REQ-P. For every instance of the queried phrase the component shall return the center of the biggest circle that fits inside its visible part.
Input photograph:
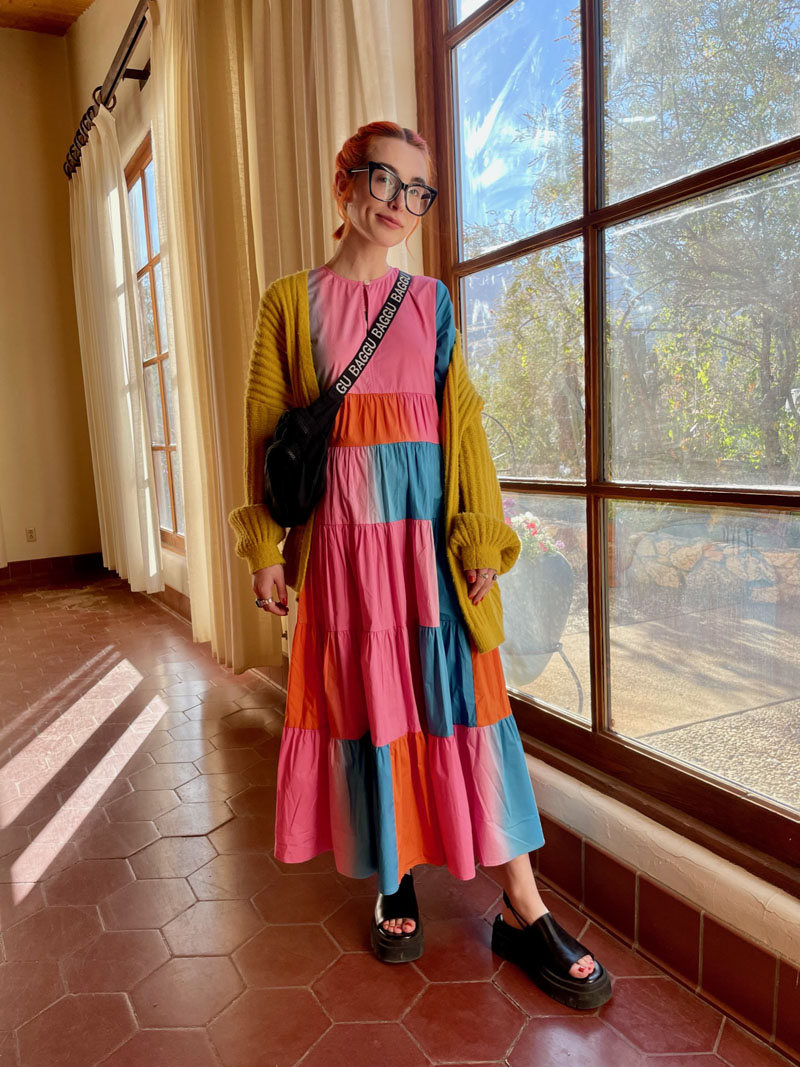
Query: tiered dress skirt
(399, 747)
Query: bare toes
(583, 968)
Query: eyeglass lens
(385, 186)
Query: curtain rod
(105, 92)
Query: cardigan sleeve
(268, 394)
(479, 535)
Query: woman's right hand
(265, 582)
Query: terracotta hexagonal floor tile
(146, 904)
(245, 833)
(24, 811)
(285, 955)
(172, 857)
(20, 900)
(443, 896)
(145, 804)
(227, 759)
(182, 751)
(76, 1031)
(255, 800)
(13, 838)
(274, 1027)
(458, 950)
(232, 736)
(38, 861)
(197, 687)
(658, 1015)
(212, 928)
(578, 1040)
(238, 874)
(193, 819)
(360, 887)
(320, 864)
(114, 962)
(8, 1050)
(187, 991)
(349, 925)
(365, 1045)
(88, 882)
(164, 776)
(118, 839)
(210, 788)
(450, 1021)
(306, 898)
(51, 933)
(359, 988)
(263, 773)
(740, 1049)
(193, 731)
(524, 992)
(266, 701)
(26, 988)
(176, 1048)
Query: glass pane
(545, 603)
(703, 329)
(166, 372)
(152, 391)
(524, 343)
(146, 304)
(705, 655)
(693, 83)
(162, 490)
(137, 223)
(163, 343)
(464, 8)
(518, 114)
(152, 218)
(177, 481)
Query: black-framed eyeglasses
(385, 184)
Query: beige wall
(46, 84)
(45, 463)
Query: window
(619, 215)
(158, 380)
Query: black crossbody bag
(296, 457)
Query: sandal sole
(580, 993)
(392, 949)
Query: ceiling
(41, 16)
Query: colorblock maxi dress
(398, 746)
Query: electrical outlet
(30, 534)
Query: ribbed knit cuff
(258, 536)
(482, 541)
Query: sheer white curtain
(104, 275)
(252, 100)
(320, 69)
(212, 294)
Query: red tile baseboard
(751, 985)
(54, 568)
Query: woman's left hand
(480, 582)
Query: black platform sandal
(403, 947)
(545, 951)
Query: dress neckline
(358, 281)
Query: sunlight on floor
(86, 796)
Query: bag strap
(375, 335)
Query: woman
(398, 747)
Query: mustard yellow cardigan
(282, 375)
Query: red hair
(355, 153)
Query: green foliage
(703, 299)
